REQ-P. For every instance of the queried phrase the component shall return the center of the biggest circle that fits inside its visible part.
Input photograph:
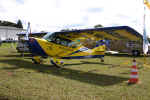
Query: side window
(50, 38)
(58, 41)
(64, 43)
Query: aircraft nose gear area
(57, 62)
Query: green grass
(86, 79)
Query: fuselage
(59, 47)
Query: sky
(55, 15)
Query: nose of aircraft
(35, 47)
(32, 46)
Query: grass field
(86, 79)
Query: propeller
(28, 31)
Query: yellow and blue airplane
(78, 44)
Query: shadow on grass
(3, 98)
(19, 55)
(87, 62)
(124, 55)
(85, 77)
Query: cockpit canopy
(52, 37)
(65, 41)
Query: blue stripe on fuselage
(99, 43)
(36, 49)
(83, 57)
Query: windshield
(52, 37)
(47, 35)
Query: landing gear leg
(57, 62)
(37, 60)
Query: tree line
(11, 24)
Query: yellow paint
(53, 49)
(106, 35)
(147, 3)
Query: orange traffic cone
(134, 74)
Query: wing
(90, 36)
(113, 33)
